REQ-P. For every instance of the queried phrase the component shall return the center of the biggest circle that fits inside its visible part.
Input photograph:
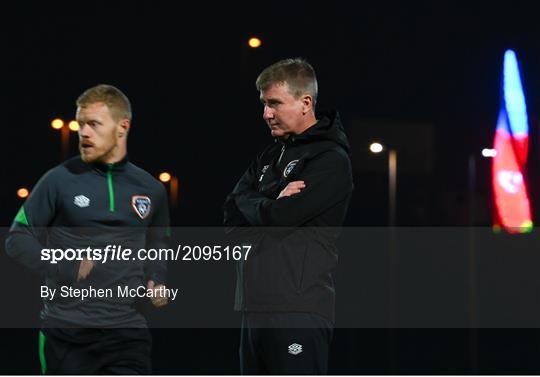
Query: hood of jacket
(327, 128)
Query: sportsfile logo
(191, 253)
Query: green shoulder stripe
(42, 360)
(21, 217)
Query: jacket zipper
(111, 189)
(281, 155)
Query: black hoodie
(291, 269)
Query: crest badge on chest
(141, 205)
(289, 168)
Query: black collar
(117, 166)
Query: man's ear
(307, 104)
(123, 130)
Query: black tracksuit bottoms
(284, 343)
(95, 351)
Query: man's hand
(84, 269)
(158, 299)
(292, 189)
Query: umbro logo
(81, 201)
(295, 349)
(264, 169)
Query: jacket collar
(117, 166)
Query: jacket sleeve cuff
(64, 272)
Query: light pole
(376, 147)
(392, 186)
(167, 177)
(473, 312)
(473, 336)
(73, 126)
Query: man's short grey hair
(297, 73)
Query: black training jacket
(77, 205)
(291, 268)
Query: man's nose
(83, 130)
(268, 113)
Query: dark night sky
(190, 77)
